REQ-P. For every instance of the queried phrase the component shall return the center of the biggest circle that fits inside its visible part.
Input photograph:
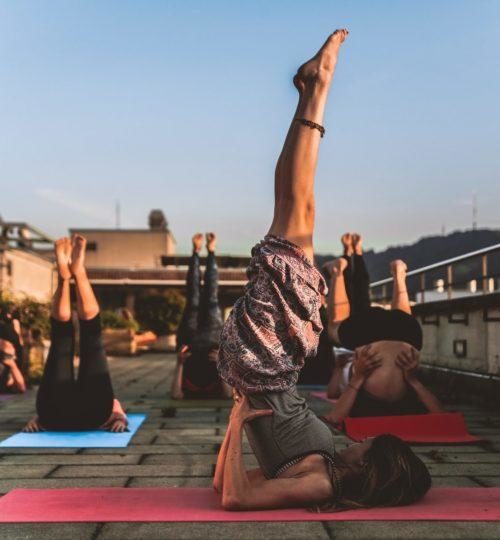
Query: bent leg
(294, 178)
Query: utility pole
(474, 211)
(118, 214)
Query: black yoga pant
(201, 323)
(368, 324)
(64, 403)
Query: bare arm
(176, 389)
(241, 492)
(221, 461)
(254, 475)
(16, 375)
(333, 390)
(430, 401)
(408, 362)
(365, 363)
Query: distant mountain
(432, 249)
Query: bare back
(387, 382)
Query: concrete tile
(412, 530)
(489, 481)
(24, 471)
(482, 457)
(181, 449)
(454, 481)
(38, 451)
(165, 438)
(86, 471)
(52, 483)
(48, 531)
(149, 481)
(452, 449)
(214, 531)
(463, 469)
(98, 459)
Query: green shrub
(160, 314)
(34, 315)
(111, 319)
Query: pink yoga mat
(201, 504)
(416, 428)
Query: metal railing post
(449, 281)
(484, 272)
(422, 286)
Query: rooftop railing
(483, 282)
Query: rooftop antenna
(118, 214)
(474, 211)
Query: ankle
(79, 275)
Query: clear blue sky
(184, 105)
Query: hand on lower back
(408, 361)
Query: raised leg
(294, 179)
(359, 296)
(338, 302)
(86, 302)
(61, 302)
(94, 382)
(57, 386)
(210, 316)
(189, 323)
(400, 298)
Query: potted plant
(118, 333)
(161, 314)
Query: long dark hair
(392, 475)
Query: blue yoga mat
(76, 439)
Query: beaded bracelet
(312, 125)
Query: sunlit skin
(307, 482)
(70, 262)
(16, 379)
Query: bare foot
(398, 269)
(62, 249)
(346, 240)
(197, 242)
(211, 241)
(79, 244)
(339, 266)
(321, 67)
(357, 243)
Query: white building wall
(27, 274)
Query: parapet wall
(462, 334)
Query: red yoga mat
(415, 428)
(201, 504)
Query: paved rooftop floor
(180, 450)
